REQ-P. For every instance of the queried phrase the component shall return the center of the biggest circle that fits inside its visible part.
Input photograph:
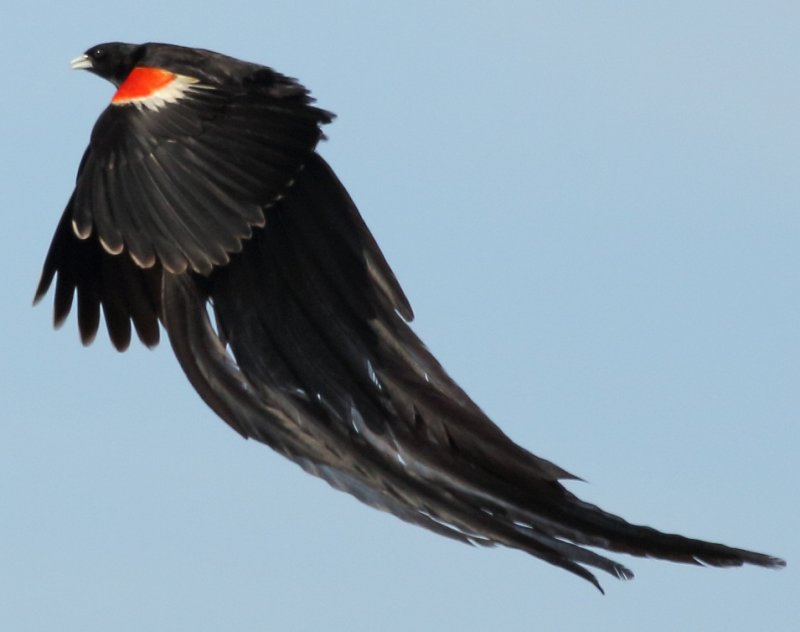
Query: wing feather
(154, 179)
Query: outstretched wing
(173, 183)
(181, 179)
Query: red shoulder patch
(141, 83)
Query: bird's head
(112, 61)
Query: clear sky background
(595, 211)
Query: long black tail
(312, 354)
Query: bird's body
(202, 186)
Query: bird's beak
(84, 61)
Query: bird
(202, 206)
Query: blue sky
(594, 212)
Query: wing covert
(185, 184)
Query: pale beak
(84, 61)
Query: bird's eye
(99, 52)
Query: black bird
(201, 187)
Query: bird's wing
(182, 183)
(173, 187)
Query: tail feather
(313, 356)
(616, 534)
(317, 325)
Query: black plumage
(201, 186)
